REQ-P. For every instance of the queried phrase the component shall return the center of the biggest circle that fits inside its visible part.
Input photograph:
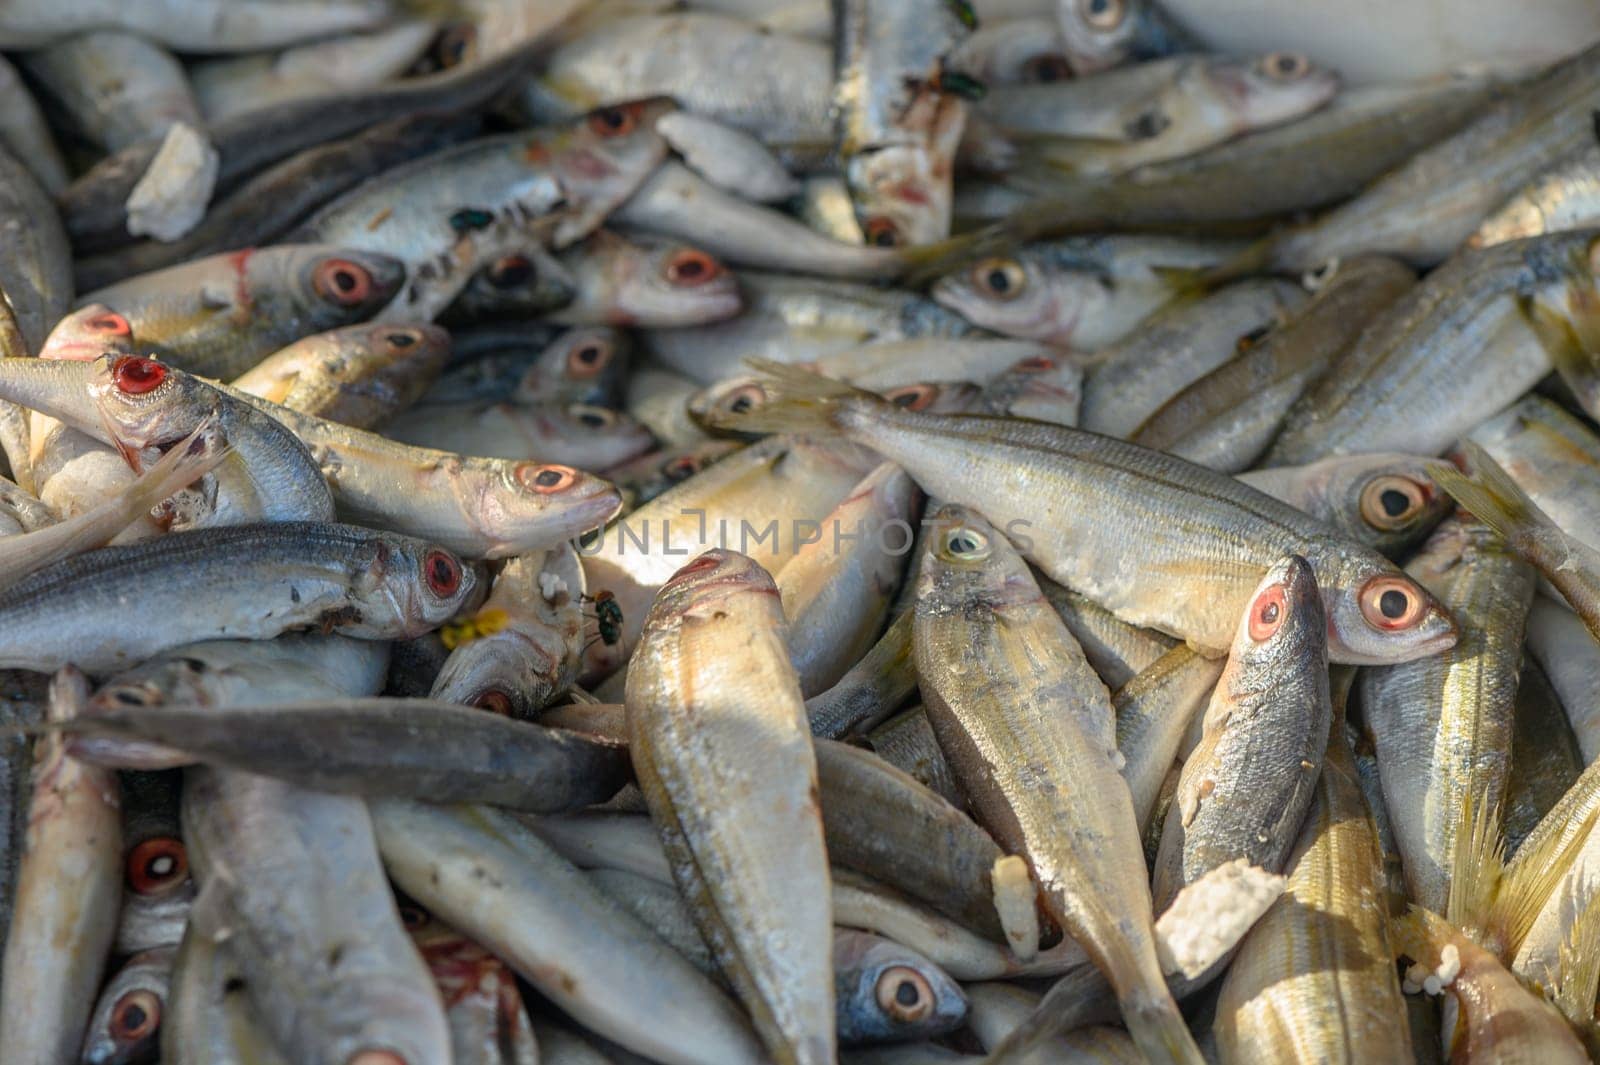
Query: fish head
(417, 584)
(713, 585)
(334, 286)
(1283, 627)
(1046, 387)
(649, 476)
(603, 436)
(585, 365)
(601, 159)
(512, 672)
(1016, 296)
(146, 403)
(902, 192)
(158, 892)
(560, 502)
(934, 397)
(1272, 88)
(527, 281)
(88, 333)
(890, 993)
(126, 1024)
(1377, 615)
(966, 560)
(713, 405)
(1385, 500)
(666, 285)
(1101, 34)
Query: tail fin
(1573, 348)
(800, 402)
(1528, 884)
(1577, 978)
(1476, 862)
(1160, 1032)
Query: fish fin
(1159, 1030)
(1492, 496)
(1577, 976)
(1477, 861)
(1183, 282)
(1577, 363)
(1255, 258)
(800, 402)
(1527, 884)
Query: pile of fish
(740, 531)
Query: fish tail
(1476, 861)
(1494, 498)
(800, 402)
(1570, 342)
(1159, 1030)
(1577, 976)
(1530, 881)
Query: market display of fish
(795, 532)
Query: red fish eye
(615, 121)
(511, 271)
(343, 282)
(442, 572)
(881, 232)
(135, 1016)
(157, 865)
(588, 358)
(546, 479)
(709, 560)
(111, 324)
(1267, 613)
(137, 375)
(692, 267)
(493, 700)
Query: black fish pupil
(547, 478)
(402, 340)
(1394, 502)
(998, 281)
(1392, 604)
(1099, 7)
(133, 1018)
(906, 994)
(740, 404)
(344, 281)
(588, 355)
(963, 545)
(905, 399)
(1269, 613)
(591, 419)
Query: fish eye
(442, 572)
(745, 399)
(690, 266)
(1390, 502)
(1391, 603)
(510, 271)
(110, 323)
(1103, 14)
(402, 338)
(904, 994)
(546, 480)
(680, 469)
(457, 44)
(1285, 66)
(1267, 613)
(588, 358)
(1050, 67)
(1001, 279)
(594, 417)
(615, 121)
(493, 700)
(135, 1016)
(343, 282)
(968, 545)
(709, 560)
(912, 397)
(413, 917)
(157, 865)
(881, 232)
(135, 375)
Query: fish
(1384, 500)
(1062, 540)
(543, 918)
(1100, 34)
(209, 1016)
(642, 479)
(1545, 759)
(1245, 789)
(488, 1023)
(735, 862)
(361, 375)
(59, 942)
(648, 285)
(1117, 651)
(1559, 642)
(126, 1024)
(588, 365)
(196, 25)
(1561, 198)
(1321, 944)
(220, 315)
(729, 158)
(263, 579)
(889, 993)
(575, 435)
(36, 276)
(871, 690)
(1079, 292)
(1442, 726)
(990, 653)
(1552, 455)
(25, 134)
(1447, 354)
(1227, 418)
(118, 88)
(1155, 708)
